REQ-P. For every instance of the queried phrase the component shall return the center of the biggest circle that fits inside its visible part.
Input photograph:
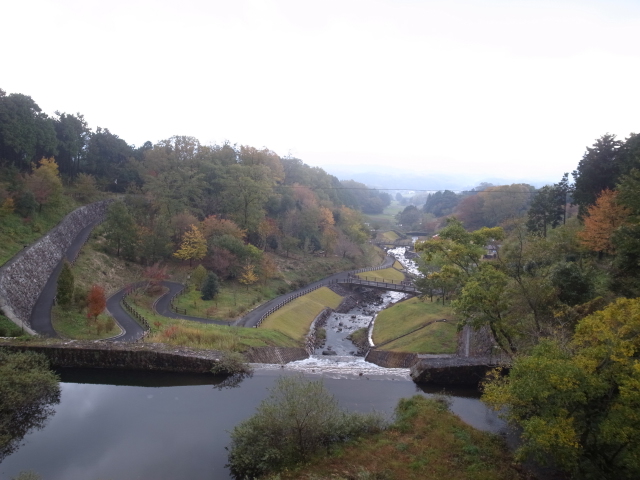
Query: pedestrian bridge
(396, 286)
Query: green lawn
(384, 275)
(294, 319)
(440, 337)
(233, 301)
(76, 325)
(406, 316)
(202, 335)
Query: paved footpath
(163, 304)
(41, 314)
(252, 318)
(133, 331)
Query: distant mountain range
(395, 179)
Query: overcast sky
(517, 88)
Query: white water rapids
(343, 363)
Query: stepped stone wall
(24, 276)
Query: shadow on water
(136, 378)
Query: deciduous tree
(578, 405)
(96, 302)
(120, 229)
(44, 182)
(193, 247)
(601, 221)
(248, 275)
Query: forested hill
(255, 196)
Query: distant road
(252, 318)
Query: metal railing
(136, 315)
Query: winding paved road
(40, 319)
(41, 314)
(252, 318)
(162, 305)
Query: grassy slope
(76, 325)
(409, 315)
(16, 232)
(200, 335)
(294, 319)
(387, 274)
(426, 442)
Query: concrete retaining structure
(24, 276)
(126, 356)
(451, 371)
(391, 359)
(145, 356)
(278, 355)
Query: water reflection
(178, 431)
(28, 394)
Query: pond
(141, 425)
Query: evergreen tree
(211, 287)
(64, 294)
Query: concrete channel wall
(24, 276)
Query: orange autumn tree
(602, 220)
(96, 302)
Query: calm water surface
(132, 425)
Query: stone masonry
(24, 276)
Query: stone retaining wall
(129, 356)
(145, 356)
(24, 276)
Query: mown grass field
(425, 442)
(440, 337)
(76, 325)
(294, 319)
(397, 265)
(232, 301)
(386, 274)
(202, 335)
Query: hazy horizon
(501, 89)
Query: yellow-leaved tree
(248, 276)
(578, 404)
(44, 182)
(193, 246)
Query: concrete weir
(463, 371)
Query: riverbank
(426, 441)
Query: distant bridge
(396, 286)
